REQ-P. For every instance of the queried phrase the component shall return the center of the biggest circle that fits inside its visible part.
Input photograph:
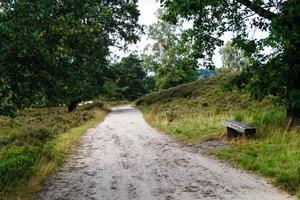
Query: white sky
(148, 9)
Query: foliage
(36, 138)
(110, 88)
(149, 83)
(192, 113)
(171, 58)
(276, 73)
(7, 106)
(130, 77)
(128, 80)
(54, 52)
(233, 58)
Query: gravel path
(124, 158)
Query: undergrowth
(193, 112)
(34, 143)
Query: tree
(57, 50)
(233, 58)
(149, 83)
(130, 77)
(273, 74)
(171, 58)
(111, 88)
(6, 104)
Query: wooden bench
(236, 129)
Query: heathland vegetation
(56, 54)
(36, 142)
(193, 112)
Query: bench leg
(232, 133)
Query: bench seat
(235, 129)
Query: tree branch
(258, 10)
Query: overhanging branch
(258, 10)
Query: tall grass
(193, 112)
(37, 141)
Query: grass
(276, 156)
(36, 142)
(192, 112)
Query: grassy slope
(35, 143)
(193, 112)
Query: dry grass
(193, 112)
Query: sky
(148, 9)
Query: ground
(124, 158)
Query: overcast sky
(148, 9)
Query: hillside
(192, 112)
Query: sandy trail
(124, 158)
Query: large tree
(55, 52)
(129, 77)
(276, 73)
(170, 57)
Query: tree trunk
(72, 106)
(293, 114)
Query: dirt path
(124, 158)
